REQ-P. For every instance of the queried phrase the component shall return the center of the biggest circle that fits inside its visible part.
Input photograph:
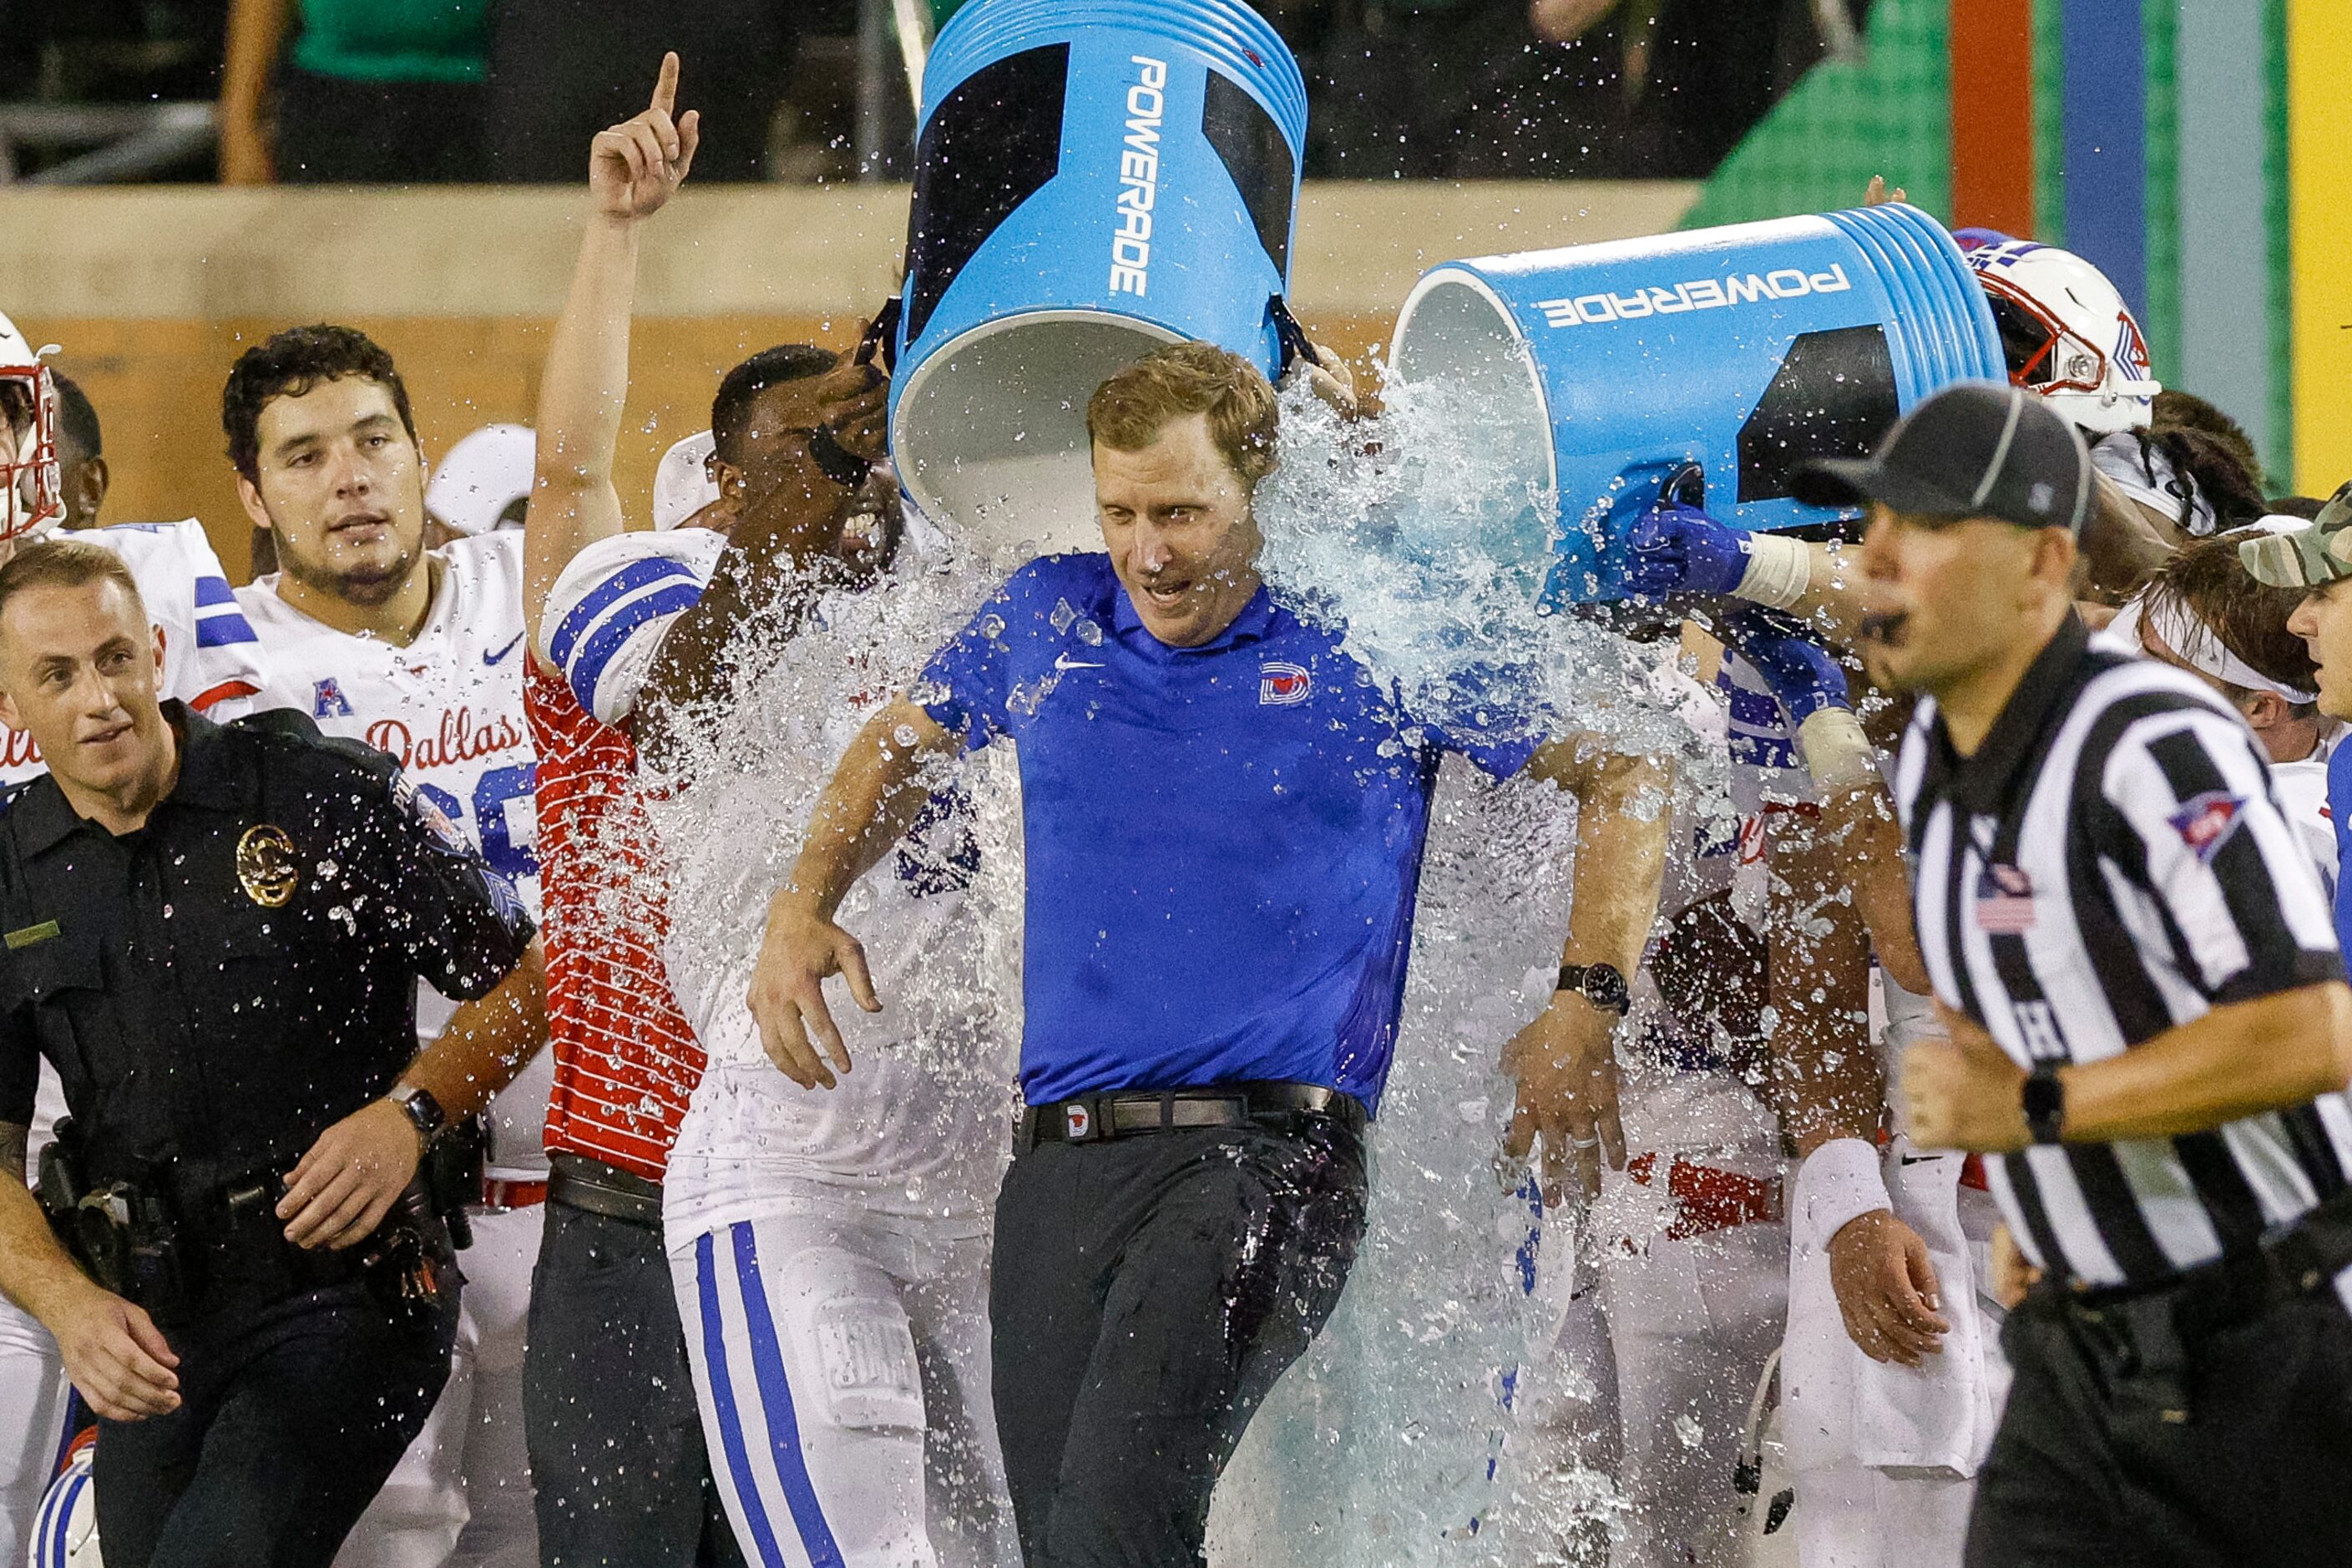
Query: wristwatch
(424, 1112)
(1598, 984)
(2045, 1103)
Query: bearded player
(419, 653)
(212, 662)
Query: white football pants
(842, 1365)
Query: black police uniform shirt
(217, 988)
(2109, 864)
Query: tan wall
(151, 294)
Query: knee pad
(868, 1357)
(854, 1337)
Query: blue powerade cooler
(1721, 359)
(1093, 178)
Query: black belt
(2297, 1260)
(1098, 1118)
(592, 1187)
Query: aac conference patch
(2206, 821)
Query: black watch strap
(424, 1112)
(1599, 984)
(2045, 1103)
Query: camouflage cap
(2309, 556)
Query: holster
(452, 1174)
(410, 1264)
(123, 1232)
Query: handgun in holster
(453, 1175)
(120, 1232)
(410, 1264)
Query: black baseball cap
(1976, 449)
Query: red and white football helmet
(2067, 334)
(32, 485)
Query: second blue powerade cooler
(1743, 352)
(1093, 178)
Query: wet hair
(291, 364)
(2208, 580)
(77, 420)
(2233, 490)
(66, 563)
(730, 407)
(2187, 410)
(1127, 412)
(2304, 507)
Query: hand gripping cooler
(1726, 358)
(1093, 178)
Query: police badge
(265, 868)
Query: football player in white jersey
(213, 663)
(829, 1250)
(419, 653)
(2204, 614)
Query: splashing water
(1406, 530)
(1398, 1438)
(1432, 1423)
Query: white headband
(2201, 648)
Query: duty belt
(1100, 1118)
(577, 1182)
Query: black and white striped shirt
(2110, 864)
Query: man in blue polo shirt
(1224, 819)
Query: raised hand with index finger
(637, 165)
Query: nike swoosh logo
(1921, 1158)
(1063, 661)
(494, 657)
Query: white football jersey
(917, 1126)
(2301, 791)
(449, 709)
(212, 661)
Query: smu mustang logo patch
(2206, 822)
(1281, 685)
(328, 702)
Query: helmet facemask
(32, 482)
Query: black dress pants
(2241, 1457)
(1146, 1294)
(620, 1478)
(290, 1419)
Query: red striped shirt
(625, 1059)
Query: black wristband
(2045, 1103)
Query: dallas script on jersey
(459, 740)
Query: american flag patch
(2004, 901)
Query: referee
(2134, 959)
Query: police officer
(215, 936)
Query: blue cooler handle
(1290, 335)
(1684, 486)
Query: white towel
(1839, 1407)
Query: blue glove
(1675, 549)
(1804, 675)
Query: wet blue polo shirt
(1222, 842)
